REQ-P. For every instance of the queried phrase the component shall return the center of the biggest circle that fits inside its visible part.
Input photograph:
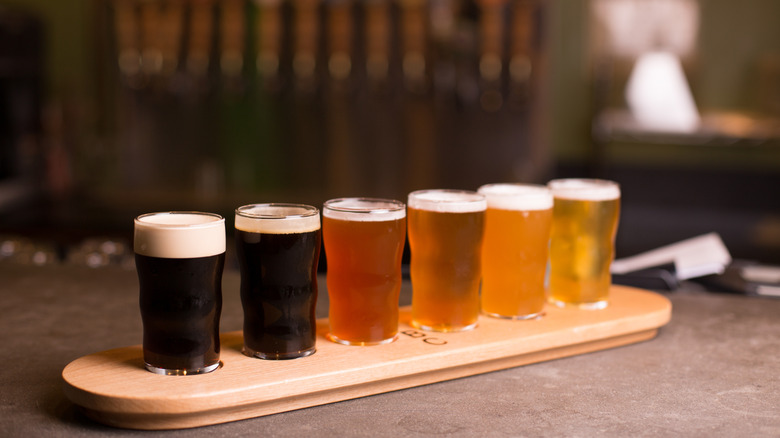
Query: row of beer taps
(483, 48)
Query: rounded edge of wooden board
(103, 407)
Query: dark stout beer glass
(179, 258)
(278, 247)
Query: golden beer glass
(446, 229)
(515, 249)
(585, 222)
(364, 241)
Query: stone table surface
(713, 371)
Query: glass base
(278, 356)
(338, 340)
(595, 305)
(182, 372)
(443, 329)
(530, 316)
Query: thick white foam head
(179, 235)
(520, 197)
(364, 209)
(447, 201)
(277, 218)
(585, 189)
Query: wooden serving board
(113, 387)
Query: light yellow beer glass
(585, 222)
(445, 240)
(515, 250)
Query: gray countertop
(714, 370)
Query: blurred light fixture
(629, 28)
(655, 35)
(658, 94)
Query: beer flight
(503, 251)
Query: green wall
(70, 29)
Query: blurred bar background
(112, 108)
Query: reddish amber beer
(364, 241)
(515, 250)
(585, 222)
(445, 237)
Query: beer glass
(515, 250)
(364, 241)
(446, 228)
(179, 257)
(278, 248)
(585, 222)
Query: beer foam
(179, 235)
(585, 189)
(277, 218)
(364, 209)
(520, 197)
(447, 201)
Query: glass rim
(390, 205)
(596, 182)
(535, 189)
(219, 219)
(517, 196)
(477, 198)
(472, 202)
(306, 211)
(592, 189)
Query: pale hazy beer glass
(278, 249)
(364, 241)
(515, 250)
(179, 259)
(585, 222)
(446, 228)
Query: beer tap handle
(170, 36)
(521, 48)
(418, 118)
(305, 43)
(127, 35)
(151, 53)
(377, 28)
(340, 31)
(269, 35)
(343, 151)
(444, 25)
(414, 43)
(201, 29)
(232, 39)
(491, 53)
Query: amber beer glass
(515, 250)
(446, 229)
(585, 222)
(179, 259)
(364, 241)
(278, 248)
